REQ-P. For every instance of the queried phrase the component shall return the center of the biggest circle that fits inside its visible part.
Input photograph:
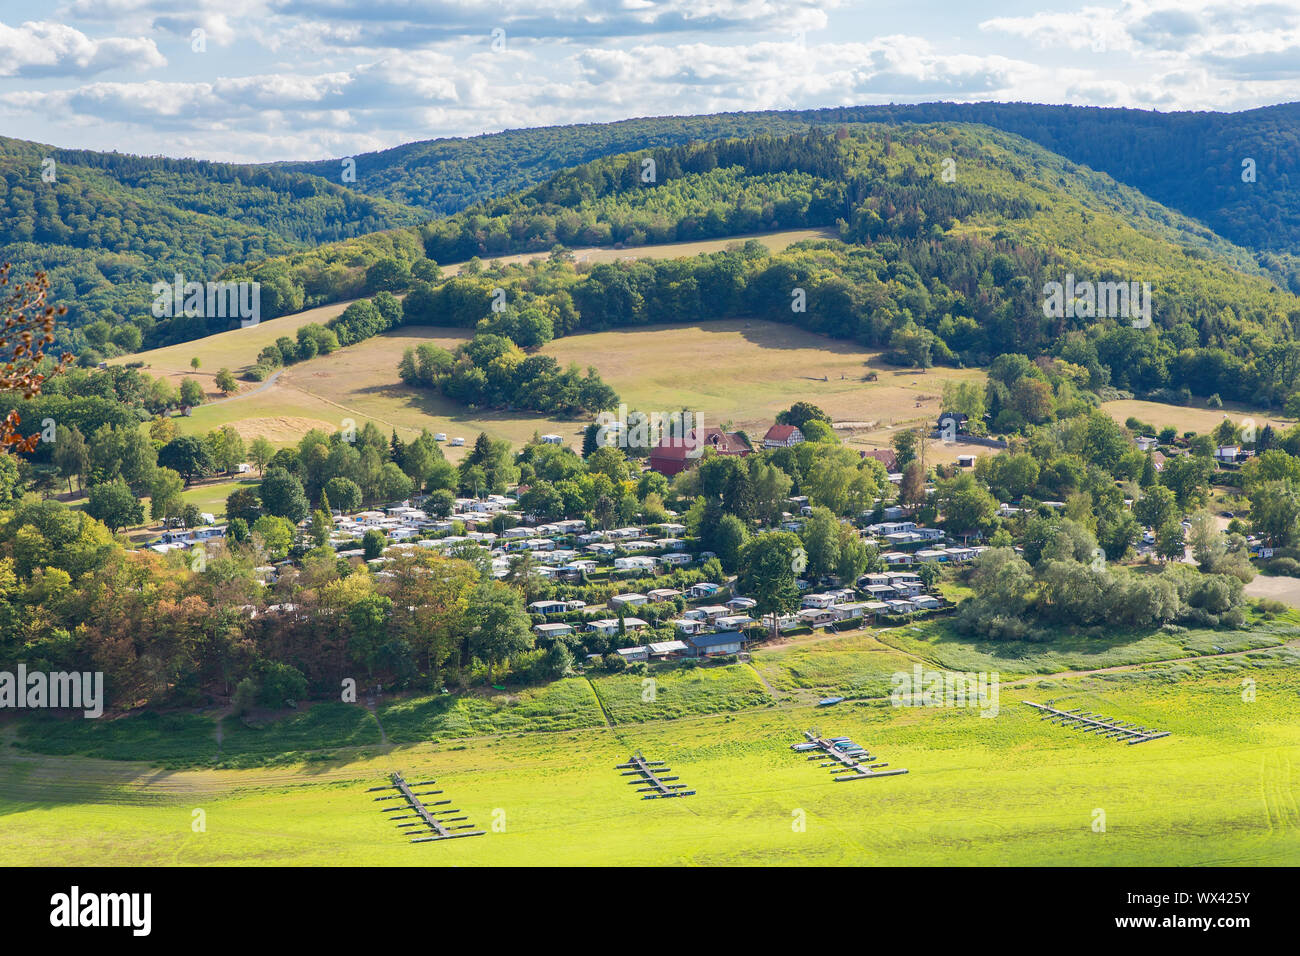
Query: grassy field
(1191, 418)
(754, 370)
(238, 348)
(537, 771)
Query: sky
(263, 80)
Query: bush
(1289, 567)
(256, 373)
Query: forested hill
(1191, 162)
(445, 176)
(949, 235)
(106, 226)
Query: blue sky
(306, 79)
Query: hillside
(938, 268)
(112, 224)
(1191, 162)
(109, 225)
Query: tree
(911, 490)
(1170, 543)
(191, 392)
(260, 451)
(139, 461)
(165, 500)
(226, 382)
(115, 504)
(187, 455)
(276, 534)
(373, 543)
(967, 508)
(194, 363)
(1204, 538)
(321, 526)
(237, 530)
(854, 556)
(800, 413)
(29, 326)
(71, 455)
(1275, 511)
(245, 504)
(343, 493)
(499, 626)
(905, 447)
(1156, 508)
(227, 448)
(1188, 478)
(439, 503)
(767, 573)
(821, 541)
(728, 539)
(283, 495)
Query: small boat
(829, 701)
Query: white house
(548, 607)
(553, 630)
(609, 625)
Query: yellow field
(238, 348)
(733, 372)
(1186, 418)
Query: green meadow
(535, 769)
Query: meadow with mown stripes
(535, 768)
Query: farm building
(886, 456)
(782, 436)
(674, 455)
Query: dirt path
(600, 702)
(263, 386)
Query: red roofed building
(782, 436)
(886, 456)
(672, 455)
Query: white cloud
(40, 49)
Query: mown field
(1191, 418)
(733, 372)
(239, 347)
(536, 769)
